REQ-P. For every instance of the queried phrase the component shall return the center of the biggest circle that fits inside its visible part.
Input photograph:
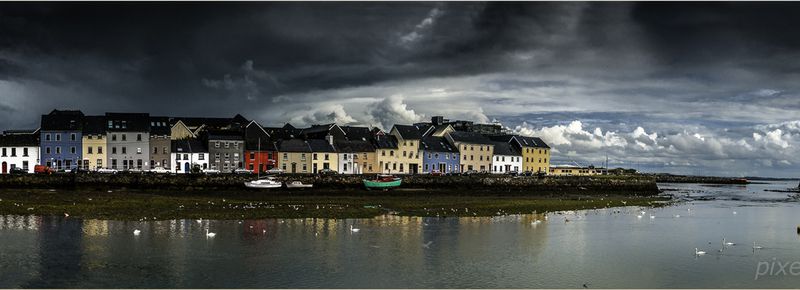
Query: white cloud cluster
(420, 28)
(323, 115)
(393, 110)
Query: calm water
(601, 248)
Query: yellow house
(387, 155)
(323, 155)
(535, 154)
(476, 150)
(408, 140)
(295, 156)
(94, 143)
(571, 170)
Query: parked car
(527, 173)
(242, 171)
(41, 169)
(160, 170)
(436, 173)
(17, 170)
(79, 170)
(211, 171)
(512, 173)
(469, 172)
(276, 170)
(107, 170)
(327, 171)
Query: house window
(165, 150)
(89, 150)
(138, 150)
(391, 153)
(114, 163)
(113, 137)
(344, 167)
(58, 150)
(139, 163)
(305, 167)
(110, 124)
(383, 153)
(124, 136)
(58, 137)
(25, 165)
(164, 162)
(177, 157)
(99, 163)
(236, 145)
(72, 137)
(465, 157)
(365, 155)
(344, 157)
(326, 156)
(235, 156)
(4, 152)
(47, 150)
(216, 144)
(124, 150)
(89, 137)
(155, 150)
(139, 138)
(303, 157)
(252, 156)
(99, 149)
(201, 156)
(404, 153)
(25, 152)
(285, 157)
(72, 149)
(284, 166)
(436, 155)
(47, 137)
(314, 156)
(227, 156)
(227, 145)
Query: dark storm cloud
(716, 70)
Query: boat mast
(258, 161)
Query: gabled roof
(531, 142)
(159, 126)
(62, 120)
(293, 145)
(94, 125)
(385, 142)
(21, 131)
(318, 145)
(505, 148)
(436, 144)
(352, 146)
(188, 146)
(408, 132)
(20, 139)
(469, 137)
(128, 122)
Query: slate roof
(385, 142)
(215, 134)
(94, 125)
(356, 133)
(183, 146)
(286, 132)
(502, 138)
(160, 126)
(20, 140)
(532, 142)
(436, 144)
(408, 132)
(318, 145)
(469, 137)
(128, 122)
(353, 146)
(505, 148)
(293, 145)
(62, 120)
(21, 131)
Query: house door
(294, 167)
(412, 168)
(5, 167)
(186, 167)
(442, 167)
(508, 168)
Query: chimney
(437, 120)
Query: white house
(505, 158)
(186, 153)
(353, 156)
(19, 149)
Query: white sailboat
(266, 181)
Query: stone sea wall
(635, 185)
(698, 179)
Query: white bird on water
(210, 234)
(698, 253)
(652, 217)
(355, 230)
(757, 247)
(728, 243)
(136, 232)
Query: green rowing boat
(383, 182)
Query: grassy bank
(136, 205)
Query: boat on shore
(264, 182)
(382, 182)
(298, 184)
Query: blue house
(438, 155)
(61, 135)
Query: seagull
(698, 253)
(728, 243)
(639, 216)
(427, 245)
(677, 216)
(210, 234)
(756, 247)
(136, 232)
(352, 229)
(199, 221)
(66, 215)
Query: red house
(260, 152)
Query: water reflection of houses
(19, 222)
(60, 253)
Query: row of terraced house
(68, 139)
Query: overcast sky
(679, 87)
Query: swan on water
(210, 234)
(757, 247)
(698, 253)
(136, 232)
(355, 230)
